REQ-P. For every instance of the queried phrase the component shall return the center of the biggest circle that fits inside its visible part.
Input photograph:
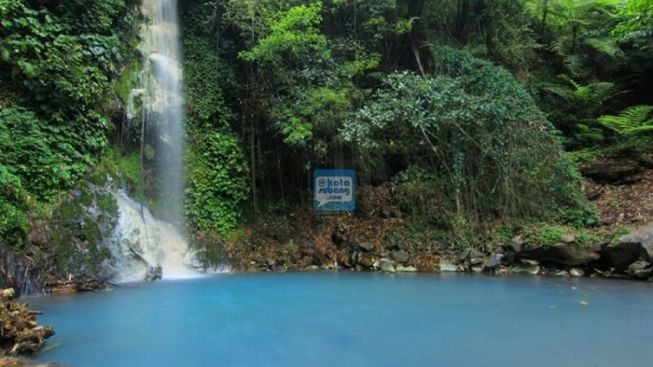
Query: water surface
(345, 319)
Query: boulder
(476, 258)
(526, 269)
(447, 267)
(515, 245)
(493, 262)
(640, 269)
(576, 273)
(153, 273)
(406, 269)
(622, 255)
(387, 265)
(642, 235)
(613, 171)
(560, 254)
(400, 256)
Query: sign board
(334, 190)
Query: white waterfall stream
(150, 247)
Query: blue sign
(334, 190)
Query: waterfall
(149, 248)
(164, 101)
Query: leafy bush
(217, 182)
(492, 151)
(13, 221)
(41, 159)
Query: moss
(125, 170)
(127, 81)
(80, 225)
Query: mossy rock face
(81, 232)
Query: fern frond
(631, 121)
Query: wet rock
(576, 273)
(642, 235)
(400, 256)
(476, 257)
(406, 269)
(560, 254)
(447, 267)
(366, 246)
(622, 255)
(493, 262)
(387, 265)
(561, 273)
(515, 245)
(153, 273)
(526, 269)
(640, 270)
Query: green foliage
(59, 72)
(216, 183)
(292, 32)
(477, 131)
(217, 173)
(549, 235)
(632, 120)
(206, 78)
(36, 154)
(636, 23)
(13, 221)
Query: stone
(613, 171)
(387, 265)
(446, 267)
(640, 269)
(400, 256)
(568, 238)
(642, 235)
(476, 257)
(366, 246)
(526, 269)
(560, 254)
(622, 255)
(153, 273)
(561, 273)
(406, 269)
(515, 245)
(493, 261)
(576, 273)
